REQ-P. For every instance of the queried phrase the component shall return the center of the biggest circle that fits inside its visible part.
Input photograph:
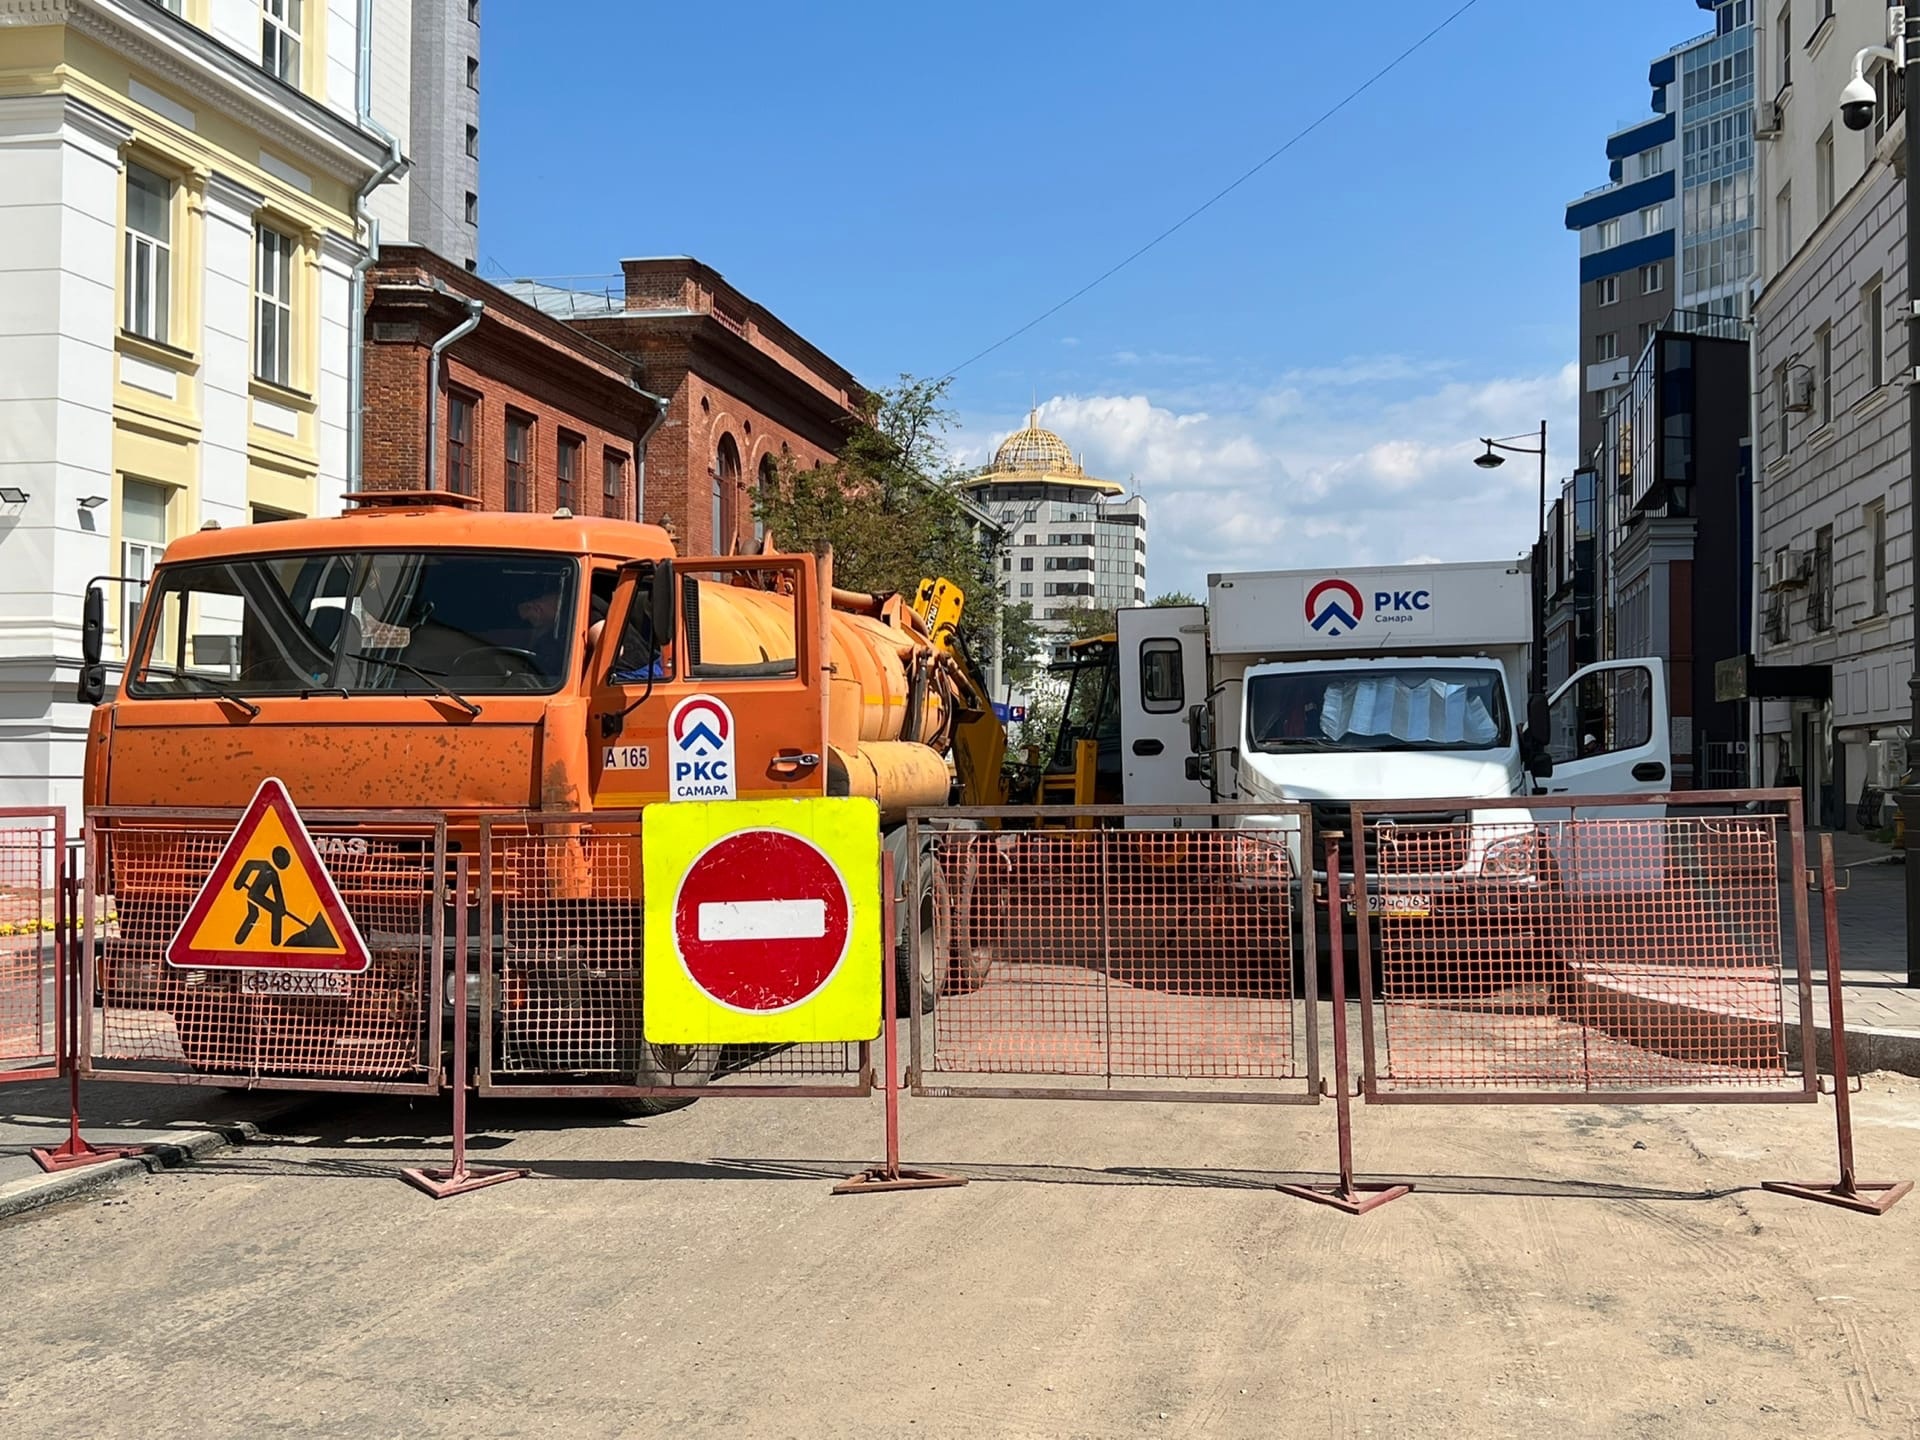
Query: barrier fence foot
(880, 1177)
(77, 1152)
(444, 1183)
(1867, 1197)
(1355, 1199)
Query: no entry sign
(762, 921)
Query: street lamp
(1493, 460)
(1858, 101)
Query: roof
(441, 526)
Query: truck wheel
(931, 914)
(968, 959)
(691, 1066)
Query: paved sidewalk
(1882, 1010)
(179, 1122)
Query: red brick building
(743, 390)
(532, 414)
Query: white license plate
(293, 982)
(1397, 907)
(625, 757)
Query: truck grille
(1426, 842)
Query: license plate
(625, 757)
(293, 983)
(1397, 907)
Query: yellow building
(182, 183)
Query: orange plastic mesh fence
(566, 982)
(377, 1027)
(29, 947)
(1589, 955)
(1144, 956)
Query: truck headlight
(1515, 858)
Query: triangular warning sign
(269, 904)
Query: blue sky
(1294, 379)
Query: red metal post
(77, 1151)
(1356, 1197)
(1873, 1197)
(889, 1175)
(458, 1180)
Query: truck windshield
(1383, 709)
(392, 622)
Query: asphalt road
(1111, 1270)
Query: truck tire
(689, 1065)
(969, 960)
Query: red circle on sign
(762, 920)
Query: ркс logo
(1334, 608)
(700, 750)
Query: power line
(1206, 205)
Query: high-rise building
(425, 88)
(1073, 542)
(182, 182)
(1672, 229)
(1835, 582)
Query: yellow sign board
(763, 921)
(268, 903)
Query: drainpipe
(640, 452)
(463, 329)
(394, 165)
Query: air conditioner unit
(1768, 119)
(1789, 568)
(1800, 390)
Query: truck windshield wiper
(421, 675)
(225, 692)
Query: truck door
(1609, 734)
(1163, 671)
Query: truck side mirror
(1539, 720)
(92, 688)
(1540, 765)
(1199, 730)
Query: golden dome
(1034, 451)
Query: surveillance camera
(1857, 103)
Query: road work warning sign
(268, 903)
(763, 921)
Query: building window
(726, 477)
(1026, 562)
(1820, 601)
(519, 461)
(1780, 401)
(149, 253)
(1653, 279)
(1653, 219)
(273, 306)
(613, 482)
(473, 11)
(1653, 161)
(143, 535)
(1823, 176)
(1890, 92)
(1606, 289)
(1875, 516)
(1609, 233)
(473, 72)
(566, 470)
(1783, 226)
(1026, 590)
(473, 208)
(280, 39)
(473, 141)
(1873, 332)
(460, 410)
(1823, 374)
(1606, 346)
(1783, 27)
(1006, 563)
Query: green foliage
(888, 508)
(1173, 597)
(1022, 646)
(1085, 624)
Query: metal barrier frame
(485, 1082)
(1072, 817)
(1808, 1092)
(55, 847)
(431, 825)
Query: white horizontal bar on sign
(763, 920)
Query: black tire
(968, 961)
(689, 1065)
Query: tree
(889, 509)
(1023, 646)
(1172, 597)
(1085, 624)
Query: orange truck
(418, 654)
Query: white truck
(1383, 683)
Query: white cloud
(1368, 461)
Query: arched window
(726, 478)
(769, 478)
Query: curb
(1867, 1050)
(36, 1192)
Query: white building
(184, 188)
(1834, 513)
